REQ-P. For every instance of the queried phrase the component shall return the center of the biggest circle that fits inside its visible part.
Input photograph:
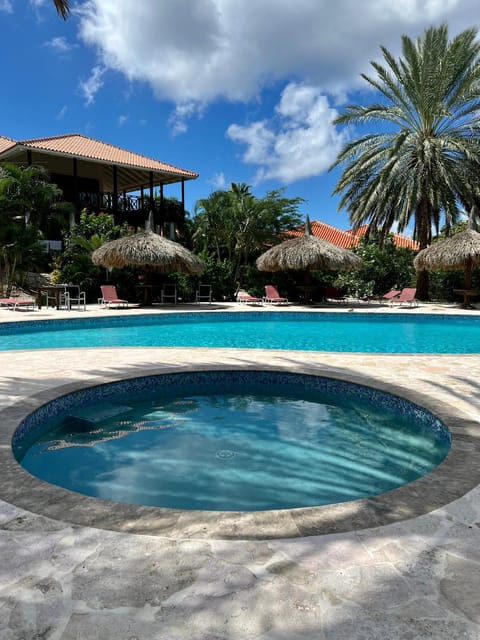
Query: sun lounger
(407, 296)
(389, 296)
(17, 303)
(109, 296)
(272, 296)
(243, 297)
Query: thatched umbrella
(150, 251)
(308, 253)
(460, 251)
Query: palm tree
(421, 162)
(26, 193)
(63, 7)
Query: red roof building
(348, 239)
(95, 174)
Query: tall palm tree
(63, 7)
(422, 160)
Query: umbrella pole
(468, 274)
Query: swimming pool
(231, 441)
(346, 332)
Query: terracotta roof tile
(80, 146)
(6, 143)
(328, 232)
(347, 239)
(400, 241)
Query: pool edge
(449, 481)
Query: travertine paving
(416, 578)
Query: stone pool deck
(417, 578)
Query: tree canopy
(421, 162)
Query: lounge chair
(333, 294)
(17, 303)
(390, 295)
(7, 302)
(204, 293)
(243, 297)
(407, 296)
(109, 297)
(272, 296)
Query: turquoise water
(252, 442)
(354, 332)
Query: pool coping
(459, 473)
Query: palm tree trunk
(423, 221)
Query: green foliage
(422, 161)
(26, 193)
(231, 229)
(75, 263)
(27, 201)
(383, 268)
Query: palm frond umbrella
(308, 253)
(460, 251)
(150, 251)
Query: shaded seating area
(110, 297)
(204, 293)
(272, 296)
(243, 297)
(333, 294)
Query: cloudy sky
(238, 91)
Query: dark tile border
(459, 473)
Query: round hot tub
(231, 441)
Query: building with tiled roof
(347, 239)
(95, 174)
(399, 241)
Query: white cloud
(60, 44)
(92, 85)
(218, 181)
(215, 49)
(6, 6)
(179, 118)
(62, 113)
(299, 142)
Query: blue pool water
(231, 441)
(354, 332)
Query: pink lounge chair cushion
(109, 295)
(407, 295)
(390, 295)
(244, 296)
(272, 295)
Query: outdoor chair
(332, 294)
(17, 303)
(109, 297)
(73, 296)
(243, 297)
(169, 293)
(389, 296)
(204, 293)
(407, 296)
(272, 296)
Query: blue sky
(236, 91)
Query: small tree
(75, 264)
(384, 267)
